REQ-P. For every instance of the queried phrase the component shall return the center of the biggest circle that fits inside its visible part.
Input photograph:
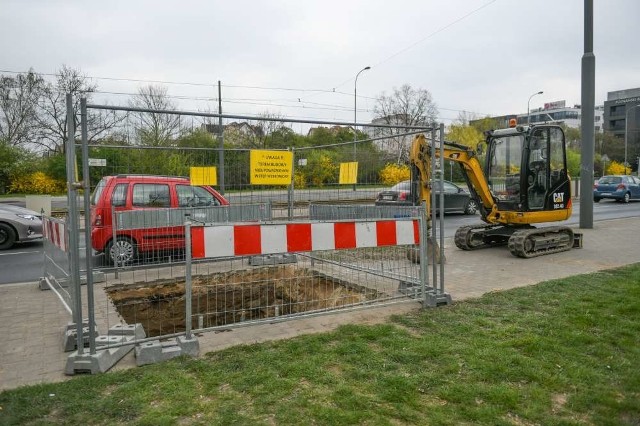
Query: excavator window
(538, 170)
(546, 166)
(504, 164)
(557, 155)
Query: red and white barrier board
(257, 239)
(55, 231)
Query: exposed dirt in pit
(227, 298)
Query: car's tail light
(595, 185)
(620, 186)
(98, 220)
(402, 196)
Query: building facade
(622, 118)
(554, 112)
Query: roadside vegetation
(562, 352)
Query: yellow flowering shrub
(299, 180)
(616, 168)
(393, 173)
(36, 183)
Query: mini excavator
(524, 182)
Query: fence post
(72, 228)
(188, 283)
(291, 185)
(114, 240)
(441, 170)
(424, 255)
(87, 226)
(432, 180)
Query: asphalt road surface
(24, 262)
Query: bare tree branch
(404, 107)
(155, 129)
(18, 103)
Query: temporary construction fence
(242, 264)
(56, 260)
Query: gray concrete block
(157, 351)
(70, 336)
(134, 330)
(110, 349)
(188, 346)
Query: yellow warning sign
(203, 176)
(348, 173)
(270, 167)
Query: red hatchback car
(145, 194)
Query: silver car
(18, 224)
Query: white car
(18, 224)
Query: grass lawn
(562, 352)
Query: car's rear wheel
(626, 198)
(596, 200)
(472, 207)
(124, 251)
(7, 236)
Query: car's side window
(195, 196)
(449, 188)
(151, 195)
(119, 196)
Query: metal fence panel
(159, 218)
(347, 212)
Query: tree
(13, 159)
(19, 97)
(155, 128)
(52, 111)
(466, 135)
(572, 137)
(264, 129)
(484, 124)
(406, 106)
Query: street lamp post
(355, 114)
(529, 101)
(626, 135)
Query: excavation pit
(222, 299)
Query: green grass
(563, 352)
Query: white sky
(488, 61)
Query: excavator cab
(526, 169)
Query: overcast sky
(299, 58)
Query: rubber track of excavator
(464, 234)
(522, 242)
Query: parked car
(456, 199)
(18, 224)
(617, 187)
(144, 193)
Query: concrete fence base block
(157, 351)
(105, 356)
(437, 299)
(272, 259)
(70, 335)
(134, 330)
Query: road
(23, 263)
